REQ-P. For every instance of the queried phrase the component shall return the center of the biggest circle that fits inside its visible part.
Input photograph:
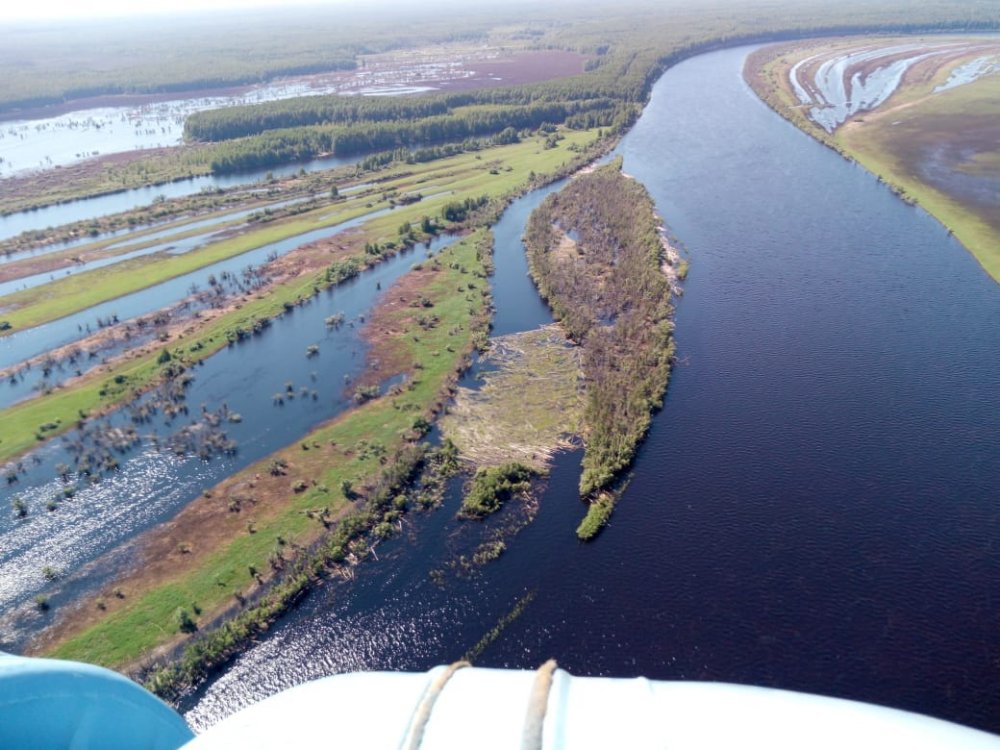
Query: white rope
(534, 720)
(422, 715)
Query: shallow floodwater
(152, 484)
(32, 342)
(815, 506)
(71, 137)
(58, 214)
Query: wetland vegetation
(228, 560)
(138, 302)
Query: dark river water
(815, 507)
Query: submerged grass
(209, 582)
(97, 392)
(497, 630)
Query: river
(814, 507)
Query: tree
(185, 623)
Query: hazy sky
(48, 9)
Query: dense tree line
(296, 144)
(237, 122)
(609, 96)
(608, 290)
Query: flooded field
(836, 84)
(924, 115)
(45, 142)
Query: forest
(383, 133)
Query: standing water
(152, 484)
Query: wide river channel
(815, 505)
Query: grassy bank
(895, 150)
(69, 295)
(102, 176)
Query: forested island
(597, 253)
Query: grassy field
(57, 299)
(53, 262)
(897, 143)
(101, 176)
(206, 576)
(940, 150)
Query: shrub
(184, 622)
(492, 486)
(597, 515)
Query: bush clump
(492, 486)
(597, 515)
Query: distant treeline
(60, 61)
(199, 83)
(596, 254)
(624, 79)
